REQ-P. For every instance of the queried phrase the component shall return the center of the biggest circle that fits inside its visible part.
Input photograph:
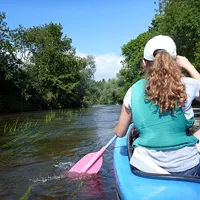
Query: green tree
(111, 92)
(133, 54)
(56, 73)
(181, 20)
(86, 88)
(11, 75)
(177, 18)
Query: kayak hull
(143, 186)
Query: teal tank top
(157, 131)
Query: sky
(96, 27)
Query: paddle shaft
(110, 142)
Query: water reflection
(81, 187)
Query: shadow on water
(34, 157)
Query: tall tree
(11, 74)
(177, 18)
(181, 20)
(133, 54)
(55, 70)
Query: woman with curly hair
(160, 108)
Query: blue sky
(97, 27)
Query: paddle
(92, 162)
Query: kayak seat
(142, 163)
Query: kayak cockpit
(142, 166)
(132, 183)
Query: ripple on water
(33, 162)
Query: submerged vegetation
(32, 132)
(18, 125)
(27, 142)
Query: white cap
(159, 42)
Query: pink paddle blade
(90, 163)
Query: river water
(37, 148)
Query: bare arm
(185, 64)
(124, 122)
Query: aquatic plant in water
(49, 116)
(18, 126)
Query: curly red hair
(165, 87)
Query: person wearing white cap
(160, 108)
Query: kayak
(133, 184)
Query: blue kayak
(133, 184)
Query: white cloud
(107, 65)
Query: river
(37, 147)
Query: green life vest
(157, 131)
